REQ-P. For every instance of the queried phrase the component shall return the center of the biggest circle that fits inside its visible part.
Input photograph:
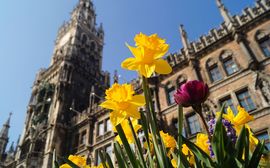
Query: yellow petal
(174, 163)
(165, 48)
(65, 166)
(146, 70)
(136, 51)
(162, 67)
(132, 111)
(117, 117)
(138, 100)
(242, 117)
(109, 105)
(130, 64)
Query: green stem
(180, 127)
(198, 110)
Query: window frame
(188, 123)
(267, 141)
(106, 125)
(170, 88)
(252, 100)
(225, 98)
(262, 37)
(212, 67)
(98, 128)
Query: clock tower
(74, 71)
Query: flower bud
(191, 93)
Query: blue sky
(28, 30)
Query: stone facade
(63, 113)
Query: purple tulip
(191, 93)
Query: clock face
(64, 39)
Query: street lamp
(71, 109)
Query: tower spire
(184, 38)
(224, 12)
(4, 136)
(5, 128)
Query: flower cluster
(230, 132)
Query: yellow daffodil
(201, 142)
(128, 131)
(121, 100)
(186, 151)
(148, 55)
(239, 120)
(174, 163)
(190, 156)
(77, 160)
(168, 140)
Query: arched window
(228, 62)
(213, 70)
(263, 39)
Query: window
(193, 124)
(100, 128)
(245, 100)
(108, 125)
(170, 95)
(265, 46)
(264, 136)
(108, 149)
(228, 103)
(215, 73)
(83, 138)
(230, 66)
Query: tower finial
(224, 12)
(184, 37)
(115, 77)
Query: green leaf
(102, 156)
(255, 159)
(240, 144)
(109, 161)
(126, 145)
(199, 153)
(120, 156)
(246, 148)
(218, 140)
(137, 143)
(70, 163)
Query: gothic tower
(75, 68)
